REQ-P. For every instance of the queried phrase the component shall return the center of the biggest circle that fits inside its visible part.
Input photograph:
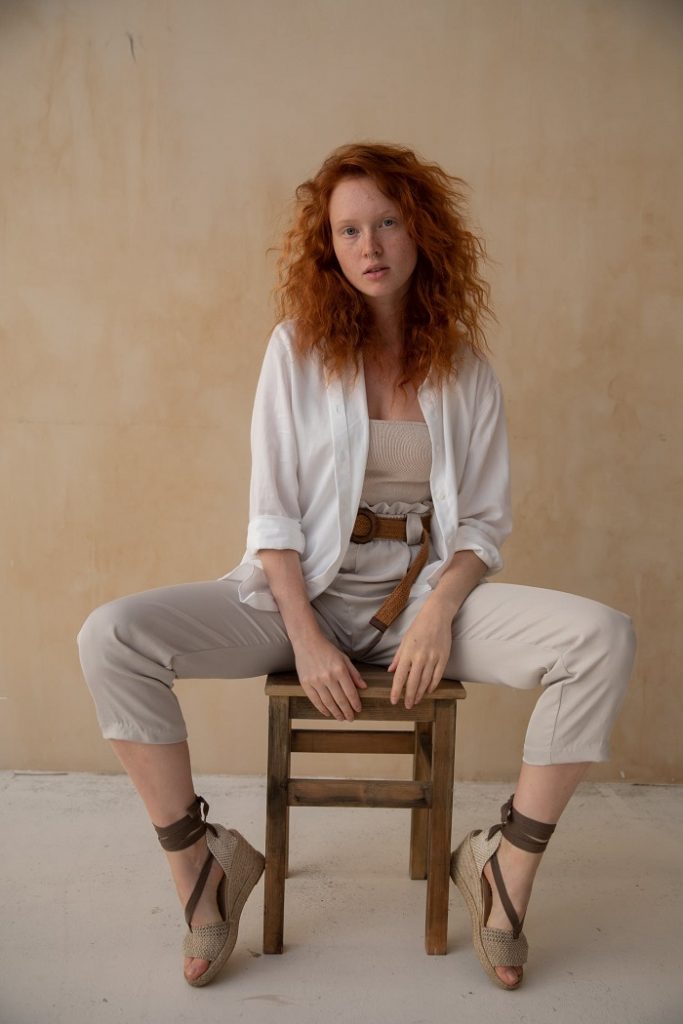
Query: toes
(509, 975)
(194, 967)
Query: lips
(372, 270)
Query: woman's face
(368, 232)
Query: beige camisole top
(399, 462)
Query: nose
(371, 245)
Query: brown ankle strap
(525, 833)
(508, 906)
(187, 830)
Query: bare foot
(518, 869)
(185, 867)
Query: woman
(379, 503)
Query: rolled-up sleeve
(484, 509)
(274, 513)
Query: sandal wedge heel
(242, 867)
(496, 947)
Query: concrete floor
(90, 929)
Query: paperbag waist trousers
(580, 652)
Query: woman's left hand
(422, 655)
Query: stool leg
(419, 818)
(289, 774)
(440, 821)
(276, 824)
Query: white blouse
(309, 443)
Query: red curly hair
(447, 300)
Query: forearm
(326, 674)
(286, 582)
(460, 578)
(423, 653)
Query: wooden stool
(430, 794)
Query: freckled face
(368, 232)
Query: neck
(388, 332)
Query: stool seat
(431, 744)
(378, 680)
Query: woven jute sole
(255, 863)
(468, 881)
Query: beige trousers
(579, 652)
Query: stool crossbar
(429, 794)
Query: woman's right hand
(328, 678)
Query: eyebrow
(384, 213)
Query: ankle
(195, 853)
(186, 864)
(518, 865)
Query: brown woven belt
(370, 526)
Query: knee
(627, 634)
(625, 645)
(614, 639)
(618, 633)
(100, 632)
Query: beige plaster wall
(149, 153)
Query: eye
(389, 220)
(344, 232)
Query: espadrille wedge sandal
(496, 947)
(242, 866)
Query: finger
(348, 685)
(414, 680)
(396, 658)
(423, 682)
(315, 700)
(399, 682)
(330, 703)
(437, 676)
(342, 701)
(322, 690)
(426, 681)
(356, 676)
